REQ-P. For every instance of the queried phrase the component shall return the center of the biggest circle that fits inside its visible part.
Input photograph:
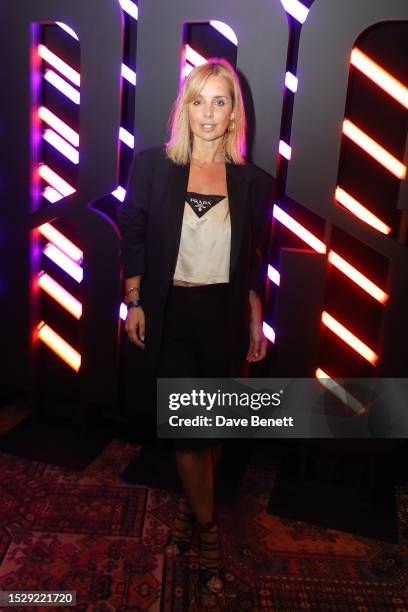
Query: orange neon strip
(60, 295)
(360, 211)
(340, 392)
(344, 334)
(357, 277)
(59, 346)
(380, 77)
(373, 149)
(298, 229)
(62, 242)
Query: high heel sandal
(179, 540)
(210, 572)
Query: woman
(194, 225)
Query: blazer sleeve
(133, 213)
(261, 209)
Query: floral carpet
(95, 534)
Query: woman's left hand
(258, 344)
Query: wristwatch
(134, 304)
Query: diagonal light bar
(129, 74)
(64, 262)
(52, 195)
(268, 332)
(298, 229)
(349, 338)
(53, 179)
(380, 77)
(295, 8)
(360, 211)
(130, 8)
(274, 275)
(291, 82)
(67, 29)
(127, 138)
(59, 346)
(59, 126)
(60, 295)
(225, 30)
(340, 392)
(62, 242)
(56, 62)
(187, 69)
(123, 311)
(65, 88)
(356, 276)
(61, 145)
(373, 149)
(119, 193)
(285, 150)
(193, 57)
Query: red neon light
(349, 338)
(360, 211)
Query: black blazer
(150, 220)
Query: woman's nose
(208, 111)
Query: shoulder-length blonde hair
(179, 146)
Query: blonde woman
(193, 226)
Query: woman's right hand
(135, 326)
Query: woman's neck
(207, 153)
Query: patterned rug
(95, 534)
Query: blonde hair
(179, 146)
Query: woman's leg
(195, 468)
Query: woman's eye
(220, 102)
(196, 102)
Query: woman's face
(210, 113)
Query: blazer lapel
(237, 195)
(175, 199)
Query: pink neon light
(187, 69)
(65, 88)
(285, 150)
(119, 193)
(193, 57)
(268, 332)
(298, 229)
(64, 262)
(130, 8)
(349, 338)
(274, 275)
(67, 29)
(357, 277)
(225, 30)
(291, 82)
(127, 138)
(295, 8)
(62, 242)
(373, 149)
(61, 145)
(60, 295)
(380, 77)
(59, 126)
(129, 74)
(55, 180)
(59, 346)
(52, 195)
(56, 62)
(340, 392)
(360, 211)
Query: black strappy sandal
(179, 540)
(210, 572)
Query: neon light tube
(298, 229)
(59, 126)
(360, 211)
(60, 295)
(62, 242)
(340, 392)
(380, 77)
(61, 145)
(284, 149)
(64, 262)
(59, 346)
(274, 275)
(268, 332)
(225, 30)
(67, 29)
(373, 149)
(127, 138)
(344, 334)
(357, 277)
(56, 62)
(55, 180)
(119, 193)
(187, 69)
(295, 8)
(65, 88)
(123, 311)
(291, 82)
(52, 195)
(129, 74)
(130, 8)
(193, 57)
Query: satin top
(205, 243)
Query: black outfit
(193, 331)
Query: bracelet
(132, 289)
(134, 304)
